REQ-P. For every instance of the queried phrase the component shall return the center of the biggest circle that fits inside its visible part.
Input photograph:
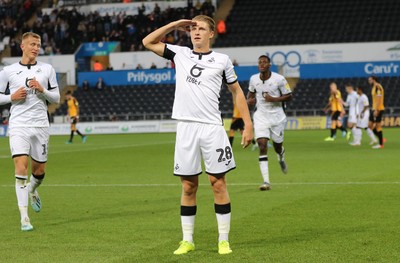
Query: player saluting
(32, 84)
(269, 90)
(200, 133)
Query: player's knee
(278, 147)
(219, 186)
(263, 147)
(189, 188)
(21, 166)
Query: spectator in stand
(109, 67)
(139, 66)
(97, 66)
(235, 63)
(100, 84)
(221, 28)
(65, 29)
(85, 85)
(153, 66)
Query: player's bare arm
(378, 104)
(153, 40)
(241, 104)
(251, 98)
(269, 98)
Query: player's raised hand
(20, 94)
(184, 24)
(247, 136)
(34, 84)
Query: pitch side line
(233, 184)
(89, 148)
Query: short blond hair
(30, 34)
(207, 19)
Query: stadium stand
(133, 103)
(155, 101)
(65, 29)
(311, 95)
(280, 23)
(263, 22)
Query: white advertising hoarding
(118, 127)
(290, 57)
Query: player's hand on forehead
(185, 24)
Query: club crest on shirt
(211, 60)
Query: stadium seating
(133, 102)
(264, 22)
(313, 94)
(155, 101)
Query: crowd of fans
(13, 14)
(64, 30)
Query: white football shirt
(31, 112)
(275, 86)
(199, 79)
(362, 102)
(351, 102)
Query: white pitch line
(104, 147)
(233, 184)
(89, 148)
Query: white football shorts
(195, 140)
(352, 118)
(363, 122)
(31, 141)
(274, 132)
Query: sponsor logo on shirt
(195, 72)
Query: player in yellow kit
(237, 124)
(378, 107)
(336, 106)
(73, 113)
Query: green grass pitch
(114, 199)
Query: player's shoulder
(255, 77)
(277, 76)
(12, 67)
(219, 55)
(178, 49)
(44, 64)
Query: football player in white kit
(269, 90)
(32, 85)
(362, 113)
(200, 132)
(351, 102)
